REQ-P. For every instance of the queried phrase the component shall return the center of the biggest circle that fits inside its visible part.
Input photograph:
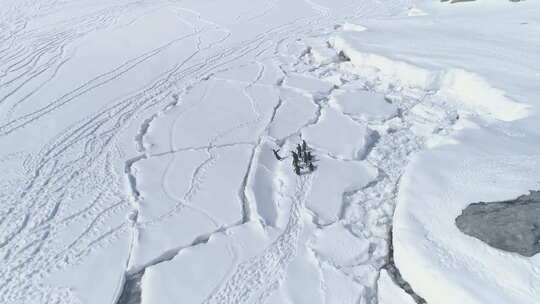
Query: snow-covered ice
(323, 135)
(339, 246)
(151, 142)
(365, 105)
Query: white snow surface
(137, 142)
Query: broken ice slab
(365, 105)
(338, 135)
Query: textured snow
(339, 245)
(152, 142)
(334, 179)
(197, 271)
(189, 206)
(489, 160)
(340, 288)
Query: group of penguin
(302, 159)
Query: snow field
(392, 294)
(490, 156)
(336, 235)
(137, 140)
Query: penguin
(276, 154)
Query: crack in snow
(395, 274)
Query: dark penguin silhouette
(295, 158)
(295, 163)
(302, 158)
(276, 154)
(309, 157)
(297, 170)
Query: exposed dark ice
(512, 225)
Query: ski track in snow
(41, 53)
(79, 167)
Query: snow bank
(480, 61)
(479, 96)
(443, 264)
(457, 85)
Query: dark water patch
(396, 276)
(131, 293)
(512, 225)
